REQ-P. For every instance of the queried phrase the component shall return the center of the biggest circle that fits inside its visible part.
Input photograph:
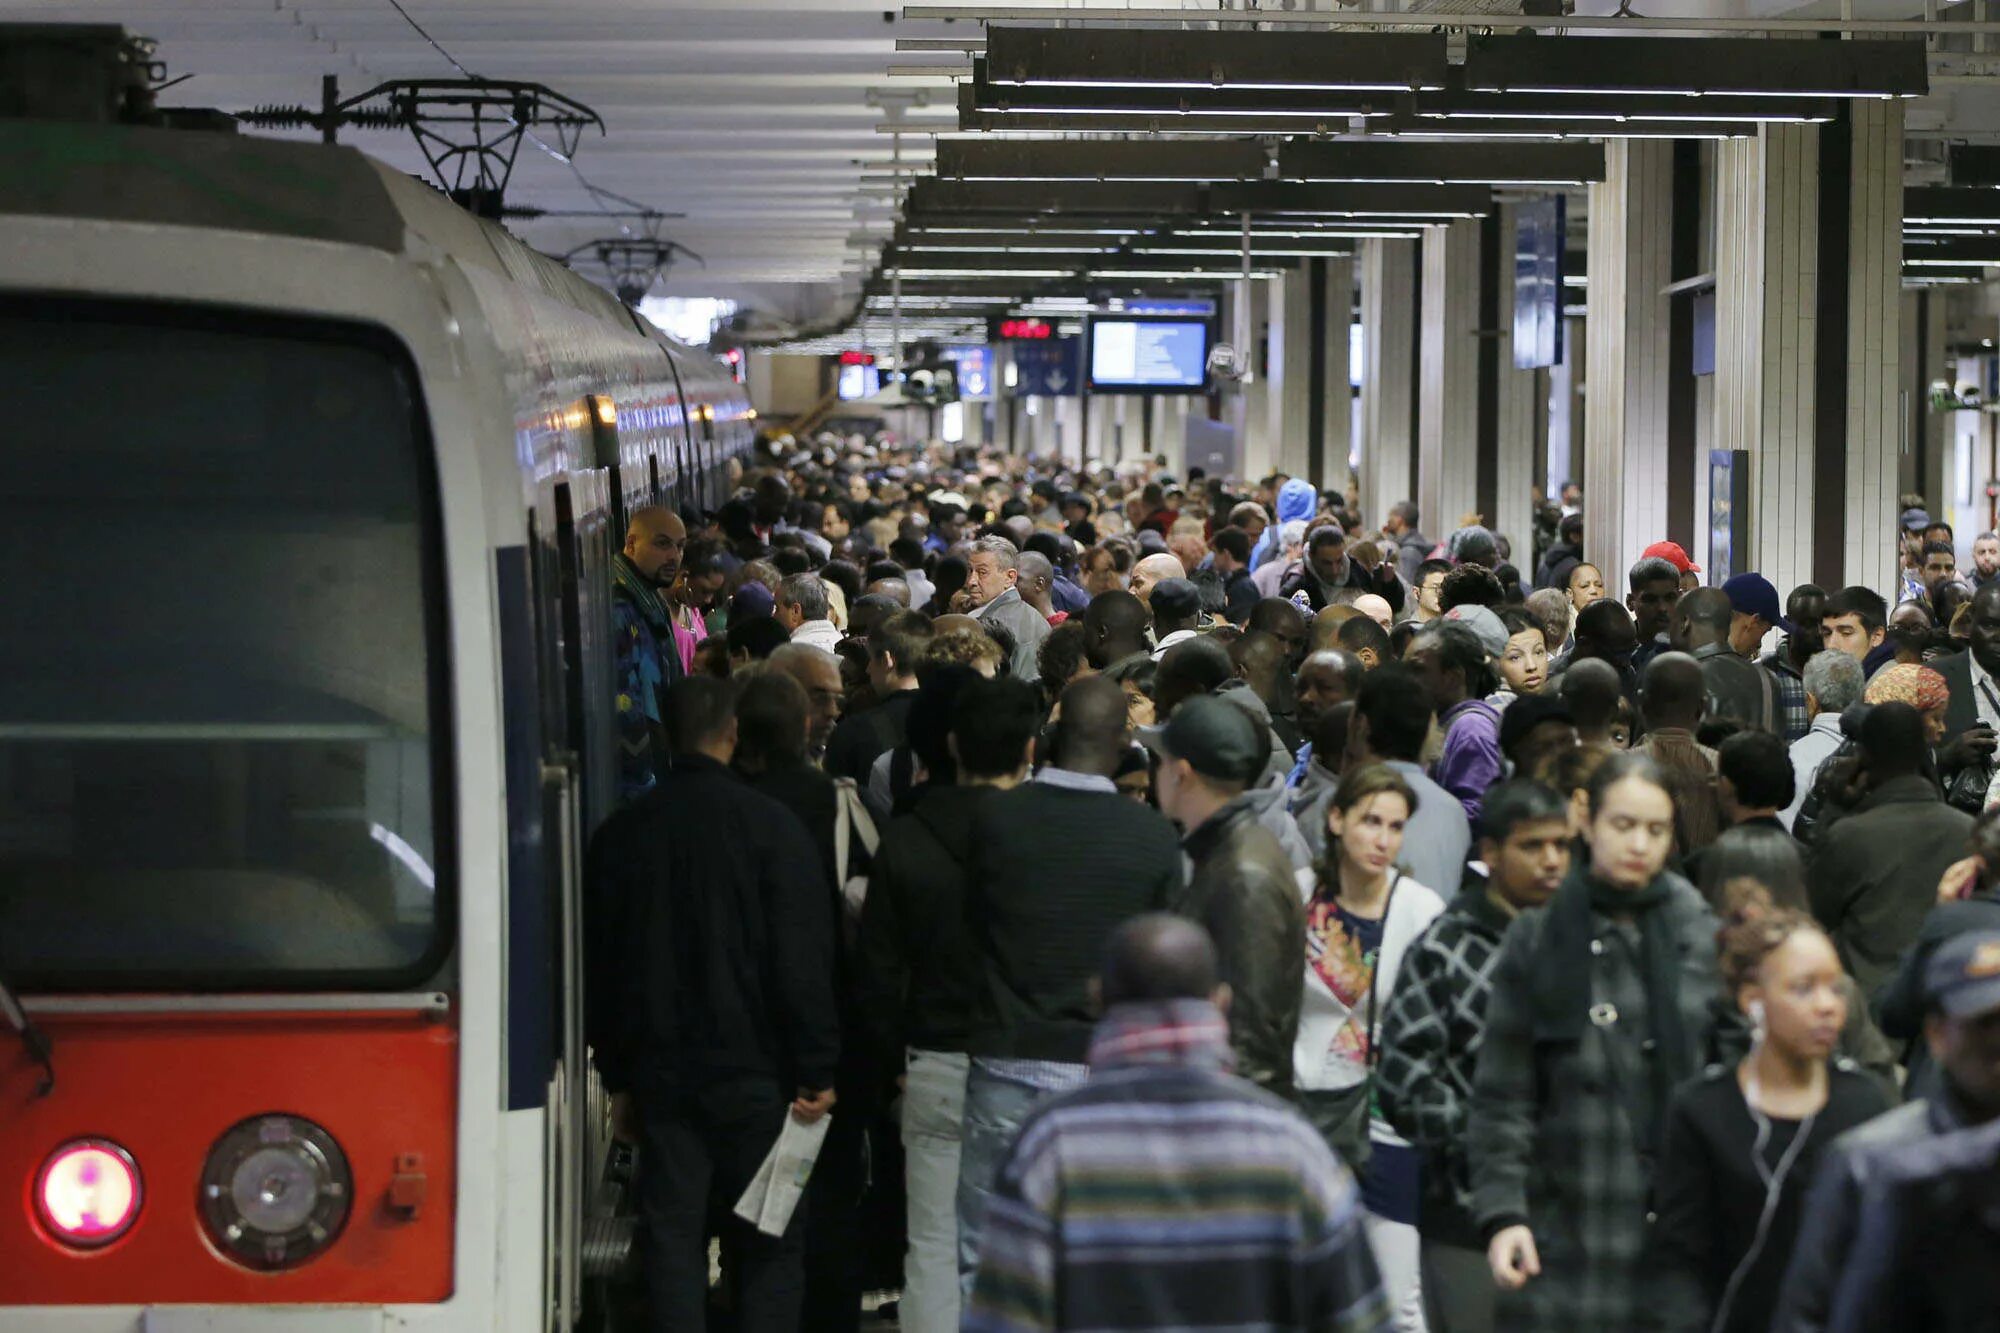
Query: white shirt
(817, 634)
(1985, 690)
(1178, 636)
(1808, 753)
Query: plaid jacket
(1558, 1135)
(1165, 1194)
(1431, 1034)
(1791, 687)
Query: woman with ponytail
(1742, 1141)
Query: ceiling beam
(1169, 59)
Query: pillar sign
(1539, 231)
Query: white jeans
(933, 1109)
(1396, 1247)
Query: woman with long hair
(1602, 1003)
(1363, 915)
(1742, 1141)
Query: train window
(223, 726)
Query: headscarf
(1918, 686)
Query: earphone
(1774, 1179)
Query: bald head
(1376, 608)
(896, 590)
(653, 544)
(1260, 659)
(1591, 688)
(1700, 618)
(1193, 666)
(1159, 957)
(1327, 624)
(1673, 692)
(1114, 626)
(1151, 571)
(1037, 581)
(1092, 733)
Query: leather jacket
(1244, 892)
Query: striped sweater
(1167, 1194)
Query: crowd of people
(1196, 904)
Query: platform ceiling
(758, 121)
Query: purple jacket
(1471, 759)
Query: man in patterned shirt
(1432, 1028)
(1165, 1193)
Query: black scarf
(1563, 971)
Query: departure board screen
(1148, 355)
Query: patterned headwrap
(1918, 686)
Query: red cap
(1672, 553)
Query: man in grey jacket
(993, 567)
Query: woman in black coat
(1742, 1141)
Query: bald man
(1247, 1218)
(645, 657)
(896, 590)
(1037, 583)
(1152, 570)
(1736, 686)
(1114, 629)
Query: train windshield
(221, 727)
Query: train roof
(274, 187)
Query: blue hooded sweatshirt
(1296, 499)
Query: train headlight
(87, 1193)
(275, 1191)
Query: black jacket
(1710, 1194)
(1243, 892)
(1873, 877)
(1833, 1210)
(1056, 871)
(1962, 713)
(1899, 1005)
(919, 972)
(859, 739)
(710, 935)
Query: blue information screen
(1166, 355)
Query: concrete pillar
(1289, 388)
(1448, 383)
(1626, 355)
(1872, 380)
(1336, 397)
(1388, 279)
(1264, 358)
(1808, 215)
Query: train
(310, 487)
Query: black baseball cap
(1962, 978)
(1217, 739)
(1176, 598)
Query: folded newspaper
(774, 1191)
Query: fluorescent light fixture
(1054, 160)
(918, 274)
(1440, 164)
(1695, 66)
(1195, 60)
(915, 248)
(1256, 252)
(1182, 275)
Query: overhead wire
(598, 194)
